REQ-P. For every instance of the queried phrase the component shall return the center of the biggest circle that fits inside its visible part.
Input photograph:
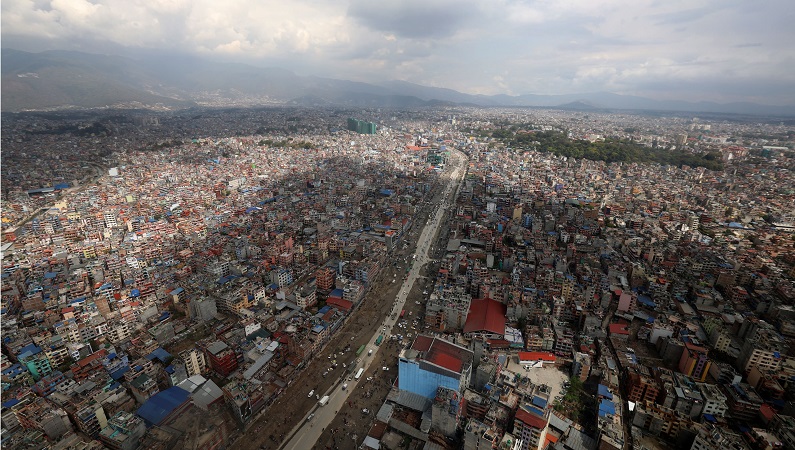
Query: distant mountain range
(64, 79)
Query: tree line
(609, 150)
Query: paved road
(307, 432)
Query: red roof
(422, 343)
(486, 314)
(447, 361)
(441, 353)
(767, 412)
(618, 328)
(498, 343)
(536, 356)
(530, 419)
(340, 303)
(96, 355)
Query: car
(311, 393)
(309, 417)
(385, 368)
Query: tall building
(195, 364)
(711, 437)
(431, 363)
(123, 432)
(694, 362)
(530, 427)
(222, 359)
(361, 127)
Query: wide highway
(308, 431)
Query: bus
(361, 349)
(379, 340)
(359, 373)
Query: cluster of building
(200, 274)
(241, 256)
(666, 289)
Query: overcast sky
(719, 50)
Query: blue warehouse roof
(160, 405)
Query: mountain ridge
(57, 79)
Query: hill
(62, 80)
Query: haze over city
(722, 51)
(438, 225)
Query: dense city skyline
(709, 51)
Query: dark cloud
(414, 19)
(725, 50)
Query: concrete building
(694, 362)
(221, 358)
(530, 428)
(478, 436)
(742, 401)
(446, 411)
(711, 437)
(714, 400)
(194, 360)
(432, 362)
(123, 432)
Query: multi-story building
(35, 360)
(38, 413)
(123, 432)
(581, 366)
(627, 302)
(714, 400)
(694, 362)
(742, 401)
(433, 362)
(530, 427)
(784, 427)
(245, 399)
(764, 348)
(325, 277)
(221, 358)
(143, 387)
(478, 436)
(641, 386)
(195, 363)
(446, 411)
(89, 417)
(306, 296)
(711, 437)
(120, 331)
(281, 277)
(110, 218)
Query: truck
(323, 401)
(359, 373)
(379, 340)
